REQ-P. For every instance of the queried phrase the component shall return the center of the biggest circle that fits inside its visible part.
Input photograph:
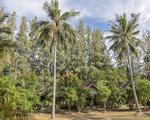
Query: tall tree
(22, 48)
(54, 32)
(12, 24)
(146, 52)
(6, 43)
(12, 21)
(5, 30)
(125, 42)
(99, 57)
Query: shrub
(103, 92)
(71, 92)
(15, 102)
(143, 89)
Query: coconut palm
(55, 32)
(125, 42)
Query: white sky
(101, 10)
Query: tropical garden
(55, 67)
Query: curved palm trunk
(133, 82)
(54, 82)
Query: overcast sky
(95, 13)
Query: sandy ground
(93, 116)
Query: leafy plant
(15, 101)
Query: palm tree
(125, 42)
(56, 31)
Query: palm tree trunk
(133, 82)
(54, 82)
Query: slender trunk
(54, 82)
(133, 82)
(15, 72)
(105, 106)
(69, 107)
(86, 74)
(85, 61)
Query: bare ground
(93, 116)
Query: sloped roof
(90, 85)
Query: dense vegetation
(89, 75)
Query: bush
(117, 97)
(71, 92)
(15, 101)
(103, 93)
(143, 90)
(30, 83)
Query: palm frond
(56, 29)
(68, 15)
(44, 34)
(136, 32)
(69, 32)
(133, 50)
(41, 23)
(124, 33)
(52, 9)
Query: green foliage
(22, 49)
(116, 80)
(16, 101)
(70, 89)
(103, 92)
(59, 31)
(30, 82)
(124, 35)
(143, 91)
(117, 98)
(82, 58)
(146, 47)
(5, 32)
